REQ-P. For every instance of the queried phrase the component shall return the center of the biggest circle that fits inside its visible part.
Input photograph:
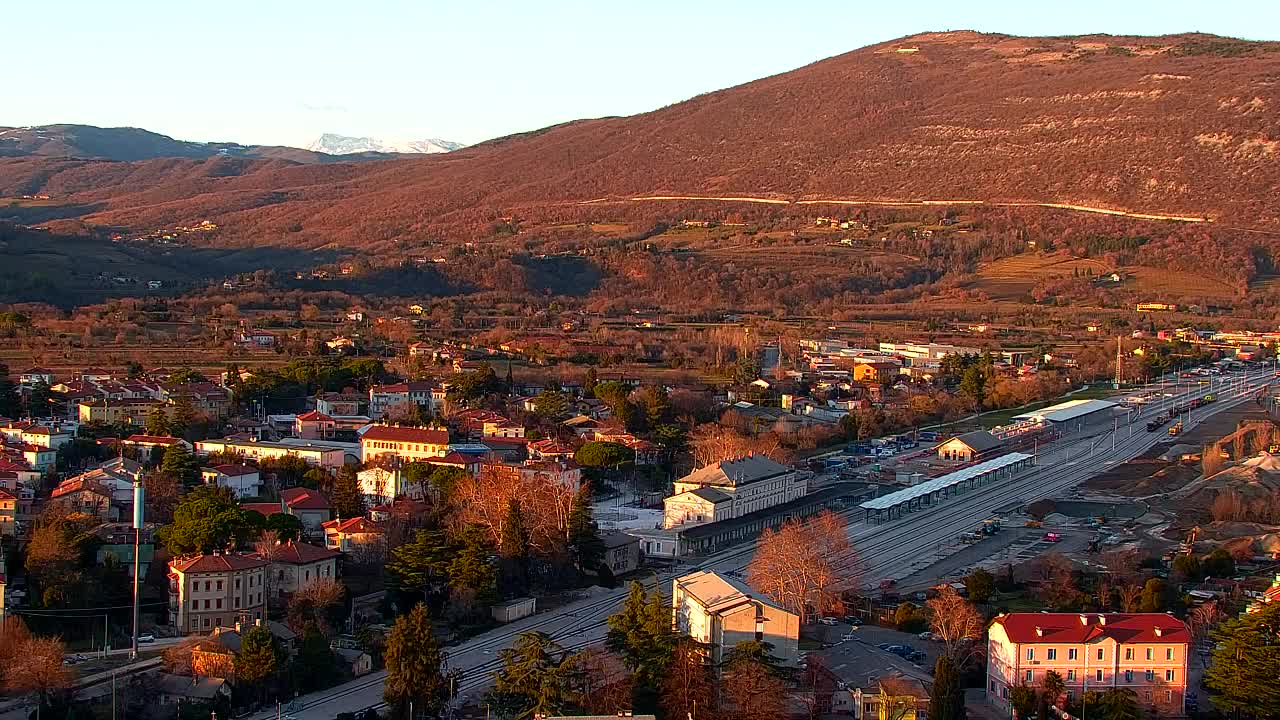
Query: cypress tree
(584, 536)
(415, 667)
(515, 550)
(347, 500)
(946, 702)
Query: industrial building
(1073, 415)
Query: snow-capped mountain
(344, 145)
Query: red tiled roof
(265, 508)
(304, 499)
(152, 439)
(6, 495)
(217, 563)
(314, 416)
(77, 484)
(235, 470)
(389, 433)
(453, 458)
(352, 526)
(1085, 627)
(301, 553)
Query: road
(891, 549)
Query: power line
(85, 612)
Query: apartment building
(409, 444)
(1143, 652)
(209, 591)
(383, 397)
(133, 411)
(731, 489)
(720, 612)
(323, 455)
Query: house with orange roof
(294, 565)
(314, 425)
(311, 507)
(216, 590)
(409, 444)
(355, 536)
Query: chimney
(1159, 631)
(237, 626)
(1102, 619)
(1084, 619)
(1039, 631)
(257, 622)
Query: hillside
(133, 144)
(1178, 125)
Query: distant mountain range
(345, 145)
(134, 144)
(1180, 125)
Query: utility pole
(1117, 362)
(138, 499)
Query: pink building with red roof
(1143, 652)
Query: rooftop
(391, 433)
(1031, 628)
(732, 473)
(216, 563)
(300, 498)
(717, 593)
(1070, 410)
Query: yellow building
(210, 591)
(133, 411)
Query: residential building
(179, 690)
(382, 485)
(338, 403)
(88, 496)
(621, 552)
(721, 612)
(1143, 652)
(8, 514)
(208, 591)
(314, 425)
(295, 565)
(356, 536)
(149, 442)
(875, 372)
(409, 444)
(969, 447)
(732, 488)
(115, 541)
(421, 393)
(321, 455)
(130, 411)
(243, 480)
(35, 376)
(43, 436)
(310, 507)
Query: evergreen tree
(206, 519)
(315, 663)
(471, 569)
(515, 550)
(584, 537)
(179, 462)
(511, 380)
(642, 635)
(589, 383)
(10, 401)
(422, 565)
(157, 422)
(347, 500)
(536, 677)
(415, 667)
(318, 479)
(183, 415)
(946, 700)
(1246, 664)
(258, 659)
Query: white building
(720, 612)
(731, 489)
(243, 480)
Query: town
(835, 529)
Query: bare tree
(689, 682)
(38, 668)
(1130, 597)
(956, 623)
(805, 563)
(1203, 618)
(606, 688)
(267, 547)
(753, 690)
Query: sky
(282, 72)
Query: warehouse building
(1073, 415)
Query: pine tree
(179, 462)
(314, 665)
(157, 423)
(257, 661)
(347, 500)
(10, 401)
(536, 677)
(641, 633)
(590, 382)
(184, 415)
(583, 535)
(415, 667)
(1246, 663)
(422, 565)
(470, 568)
(515, 549)
(946, 701)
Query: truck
(990, 526)
(1175, 429)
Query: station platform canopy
(928, 488)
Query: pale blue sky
(282, 72)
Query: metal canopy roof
(1063, 412)
(899, 497)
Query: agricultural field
(1013, 277)
(1157, 283)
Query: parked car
(853, 620)
(1052, 537)
(850, 635)
(146, 638)
(828, 621)
(884, 646)
(926, 635)
(918, 657)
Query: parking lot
(859, 660)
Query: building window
(237, 583)
(1168, 653)
(1128, 653)
(206, 604)
(1071, 675)
(1128, 676)
(1030, 675)
(1148, 695)
(1168, 676)
(993, 686)
(1150, 653)
(206, 622)
(1053, 653)
(219, 586)
(1031, 653)
(195, 604)
(1100, 653)
(219, 603)
(1099, 676)
(1071, 653)
(1151, 676)
(1168, 696)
